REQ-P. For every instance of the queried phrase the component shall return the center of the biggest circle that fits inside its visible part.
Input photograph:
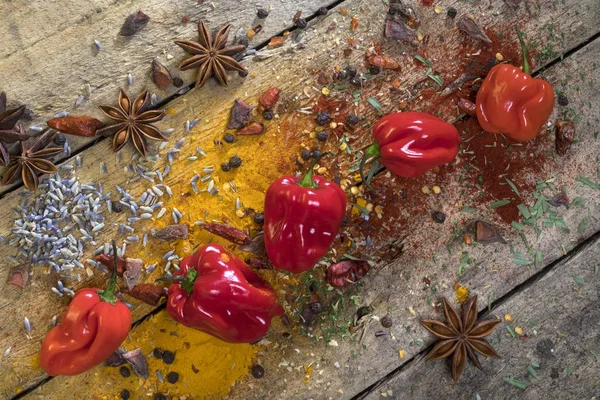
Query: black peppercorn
(301, 24)
(173, 377)
(125, 372)
(268, 115)
(306, 317)
(160, 396)
(351, 70)
(235, 162)
(374, 70)
(452, 12)
(177, 82)
(305, 155)
(117, 207)
(352, 119)
(322, 136)
(125, 395)
(157, 353)
(386, 322)
(60, 139)
(316, 154)
(356, 81)
(563, 100)
(225, 167)
(229, 138)
(322, 11)
(257, 371)
(315, 307)
(362, 311)
(262, 13)
(259, 218)
(342, 75)
(168, 357)
(439, 217)
(323, 118)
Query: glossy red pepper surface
(220, 295)
(412, 143)
(511, 102)
(90, 331)
(301, 222)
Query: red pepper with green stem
(94, 326)
(302, 219)
(217, 293)
(510, 101)
(411, 143)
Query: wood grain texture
(398, 286)
(560, 319)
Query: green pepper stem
(108, 294)
(307, 179)
(372, 151)
(186, 282)
(523, 50)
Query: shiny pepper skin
(412, 143)
(301, 221)
(90, 331)
(511, 102)
(220, 295)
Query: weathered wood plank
(71, 61)
(385, 284)
(560, 318)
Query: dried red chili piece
(468, 107)
(565, 134)
(276, 41)
(346, 272)
(240, 114)
(269, 98)
(234, 235)
(253, 128)
(107, 261)
(297, 16)
(79, 126)
(133, 272)
(161, 75)
(19, 276)
(148, 293)
(354, 23)
(375, 57)
(133, 23)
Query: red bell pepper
(411, 143)
(93, 328)
(217, 293)
(302, 218)
(511, 102)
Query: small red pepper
(302, 218)
(511, 102)
(217, 293)
(94, 327)
(412, 143)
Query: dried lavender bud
(225, 167)
(244, 42)
(322, 136)
(229, 138)
(323, 118)
(235, 162)
(387, 322)
(452, 12)
(439, 217)
(268, 115)
(262, 13)
(301, 24)
(352, 119)
(305, 154)
(257, 371)
(322, 11)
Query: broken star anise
(133, 122)
(461, 337)
(210, 55)
(32, 162)
(10, 132)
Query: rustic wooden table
(543, 283)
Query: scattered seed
(98, 45)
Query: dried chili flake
(565, 134)
(107, 261)
(276, 41)
(172, 232)
(346, 272)
(148, 293)
(185, 19)
(269, 98)
(297, 16)
(79, 126)
(133, 23)
(254, 128)
(354, 23)
(133, 272)
(240, 114)
(19, 276)
(343, 11)
(234, 235)
(161, 75)
(259, 263)
(375, 57)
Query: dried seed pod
(254, 128)
(560, 199)
(148, 293)
(467, 24)
(487, 233)
(133, 272)
(138, 362)
(346, 272)
(565, 134)
(256, 246)
(172, 232)
(161, 75)
(133, 23)
(398, 30)
(234, 235)
(240, 114)
(79, 126)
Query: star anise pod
(461, 337)
(32, 162)
(10, 132)
(134, 122)
(210, 55)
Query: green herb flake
(532, 372)
(468, 209)
(519, 384)
(588, 182)
(499, 203)
(538, 258)
(437, 79)
(524, 211)
(518, 226)
(596, 269)
(374, 103)
(511, 330)
(423, 60)
(577, 201)
(583, 224)
(570, 370)
(512, 186)
(361, 209)
(579, 280)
